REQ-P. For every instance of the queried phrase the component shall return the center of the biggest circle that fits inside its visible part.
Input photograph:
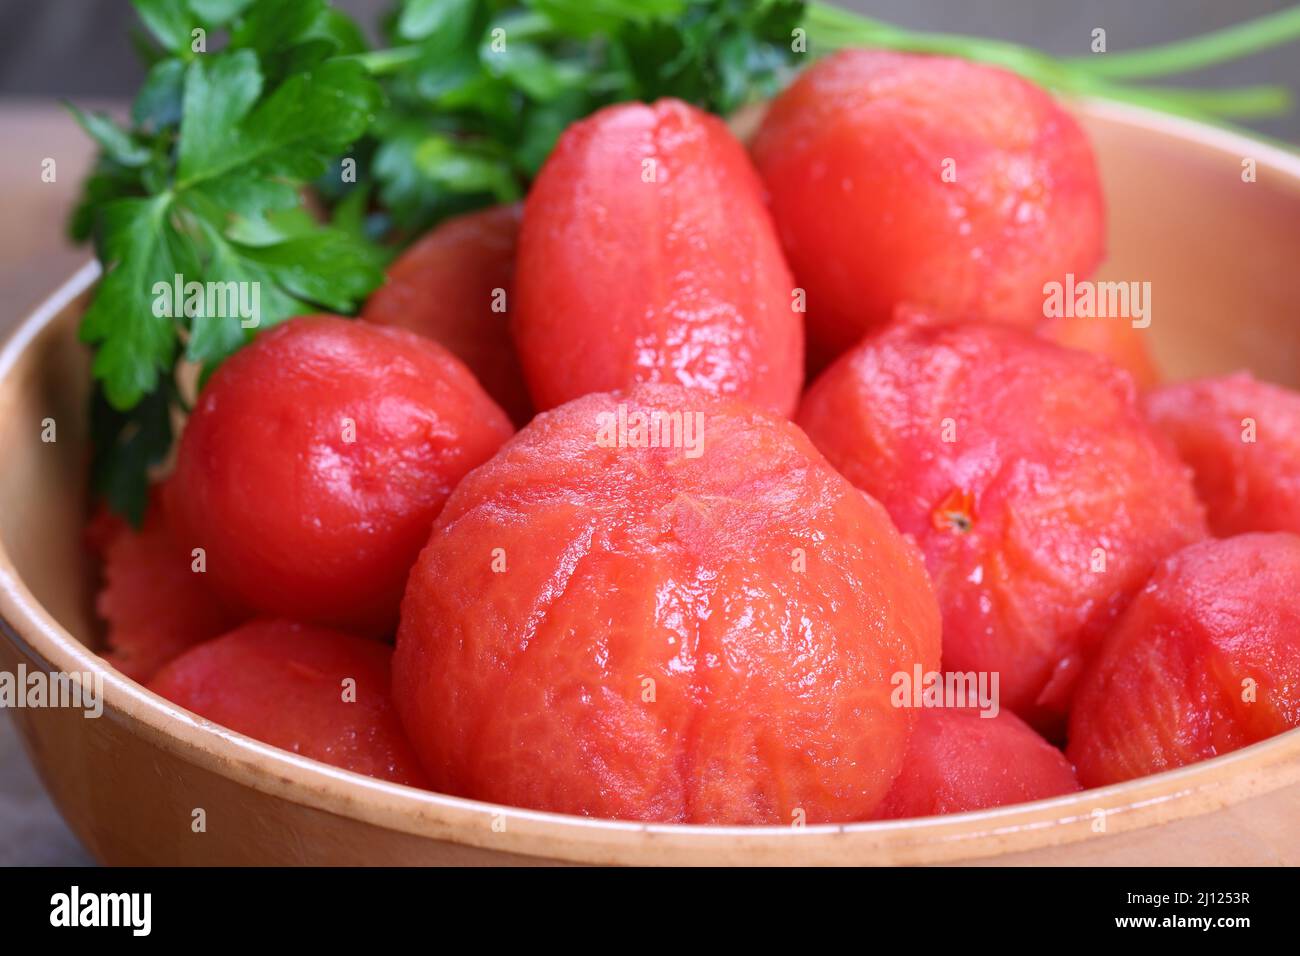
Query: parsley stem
(528, 26)
(1221, 46)
(1208, 105)
(830, 27)
(381, 62)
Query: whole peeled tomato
(308, 690)
(647, 255)
(1241, 438)
(1115, 339)
(154, 604)
(456, 285)
(1206, 660)
(698, 627)
(959, 760)
(315, 461)
(954, 186)
(1040, 497)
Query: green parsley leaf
(139, 247)
(587, 18)
(118, 144)
(448, 20)
(218, 95)
(171, 22)
(207, 185)
(158, 105)
(127, 445)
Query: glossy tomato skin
(1205, 660)
(153, 602)
(647, 255)
(1040, 497)
(1242, 439)
(455, 285)
(314, 464)
(951, 185)
(958, 761)
(309, 690)
(644, 634)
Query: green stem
(524, 26)
(382, 62)
(1211, 106)
(1251, 102)
(528, 25)
(1221, 46)
(830, 27)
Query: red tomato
(1242, 439)
(1041, 498)
(455, 286)
(645, 633)
(647, 255)
(901, 178)
(316, 460)
(155, 604)
(1114, 339)
(959, 761)
(315, 692)
(1205, 660)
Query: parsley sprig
(207, 183)
(233, 167)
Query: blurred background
(82, 49)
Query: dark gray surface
(31, 830)
(82, 48)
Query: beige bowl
(1222, 257)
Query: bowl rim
(1136, 804)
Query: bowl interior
(44, 430)
(1220, 252)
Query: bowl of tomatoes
(826, 488)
